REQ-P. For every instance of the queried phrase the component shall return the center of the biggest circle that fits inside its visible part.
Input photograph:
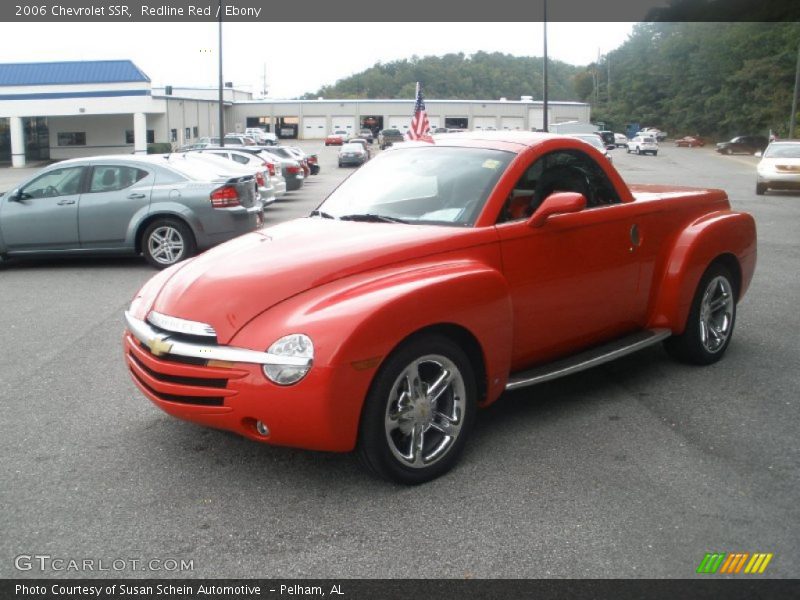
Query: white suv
(643, 144)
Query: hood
(233, 283)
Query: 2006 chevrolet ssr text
(430, 281)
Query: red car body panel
(523, 295)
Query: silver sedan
(127, 205)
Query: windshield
(783, 150)
(423, 184)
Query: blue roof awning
(70, 73)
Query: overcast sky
(298, 57)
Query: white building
(66, 109)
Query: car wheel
(655, 153)
(728, 151)
(761, 188)
(418, 412)
(166, 242)
(638, 150)
(627, 150)
(709, 328)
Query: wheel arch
(727, 238)
(145, 223)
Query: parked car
(238, 138)
(743, 144)
(779, 168)
(364, 143)
(643, 144)
(313, 163)
(352, 154)
(292, 153)
(366, 134)
(336, 138)
(261, 137)
(291, 169)
(608, 139)
(270, 161)
(690, 141)
(387, 137)
(655, 132)
(429, 282)
(620, 140)
(127, 205)
(253, 163)
(594, 140)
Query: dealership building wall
(84, 108)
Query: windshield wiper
(320, 213)
(372, 218)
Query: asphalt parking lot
(633, 469)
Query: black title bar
(497, 11)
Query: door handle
(636, 238)
(136, 196)
(65, 202)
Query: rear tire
(709, 327)
(166, 242)
(638, 150)
(761, 188)
(418, 412)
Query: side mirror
(557, 204)
(13, 196)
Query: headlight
(295, 345)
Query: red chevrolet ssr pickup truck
(430, 281)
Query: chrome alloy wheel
(425, 411)
(166, 245)
(716, 314)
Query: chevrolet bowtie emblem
(159, 345)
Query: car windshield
(352, 148)
(423, 184)
(783, 150)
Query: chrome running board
(588, 358)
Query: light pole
(544, 103)
(793, 118)
(221, 106)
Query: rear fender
(726, 236)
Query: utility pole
(608, 78)
(793, 118)
(544, 103)
(221, 97)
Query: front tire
(418, 412)
(166, 242)
(761, 189)
(709, 328)
(638, 150)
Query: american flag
(419, 122)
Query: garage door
(483, 122)
(536, 118)
(314, 128)
(512, 123)
(346, 123)
(401, 123)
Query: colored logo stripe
(711, 563)
(758, 563)
(732, 563)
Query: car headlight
(296, 345)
